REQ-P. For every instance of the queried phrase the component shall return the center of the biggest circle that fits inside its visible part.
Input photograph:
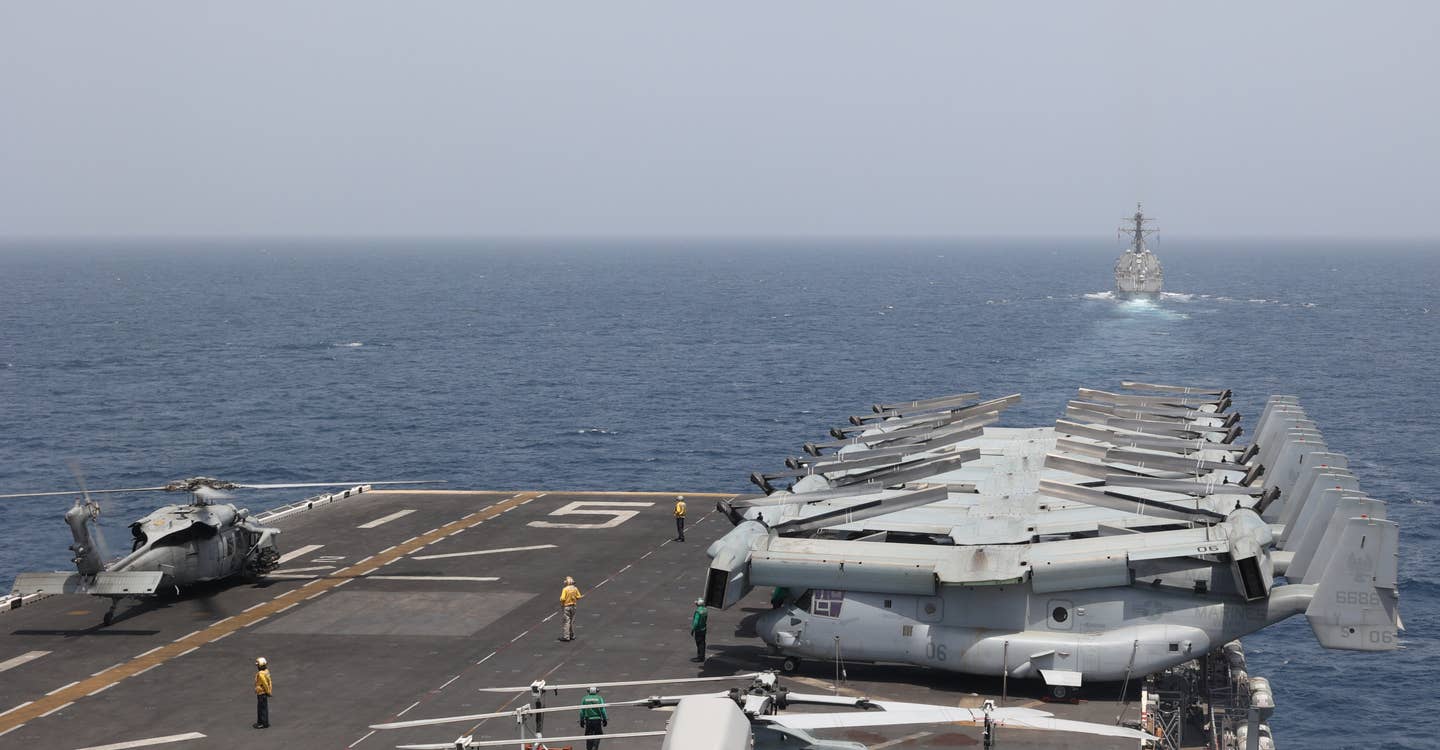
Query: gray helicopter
(1132, 536)
(173, 547)
(750, 715)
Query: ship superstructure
(1138, 270)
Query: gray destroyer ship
(1138, 272)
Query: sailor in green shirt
(593, 717)
(697, 629)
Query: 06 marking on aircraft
(149, 660)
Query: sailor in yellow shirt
(568, 596)
(262, 694)
(679, 518)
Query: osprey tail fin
(1356, 605)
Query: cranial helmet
(260, 662)
(569, 580)
(594, 690)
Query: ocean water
(687, 365)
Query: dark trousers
(680, 527)
(699, 644)
(262, 710)
(593, 726)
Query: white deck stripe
(386, 519)
(430, 578)
(483, 552)
(56, 690)
(362, 739)
(29, 656)
(147, 743)
(26, 703)
(292, 554)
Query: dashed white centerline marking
(147, 653)
(11, 729)
(549, 617)
(187, 635)
(312, 596)
(407, 710)
(107, 669)
(186, 651)
(149, 742)
(26, 703)
(101, 690)
(447, 682)
(478, 663)
(291, 605)
(292, 554)
(147, 669)
(362, 739)
(247, 609)
(24, 658)
(386, 519)
(56, 690)
(57, 708)
(222, 636)
(518, 637)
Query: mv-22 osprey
(1134, 535)
(172, 547)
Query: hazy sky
(679, 118)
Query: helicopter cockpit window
(803, 602)
(138, 533)
(186, 535)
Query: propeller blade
(670, 681)
(652, 701)
(513, 742)
(1131, 385)
(1128, 503)
(862, 511)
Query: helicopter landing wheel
(109, 618)
(790, 664)
(1062, 692)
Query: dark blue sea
(687, 365)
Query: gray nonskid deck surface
(403, 642)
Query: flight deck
(394, 605)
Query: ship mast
(1135, 227)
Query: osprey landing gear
(790, 664)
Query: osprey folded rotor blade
(467, 742)
(670, 681)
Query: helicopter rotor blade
(79, 492)
(164, 488)
(332, 484)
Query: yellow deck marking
(151, 659)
